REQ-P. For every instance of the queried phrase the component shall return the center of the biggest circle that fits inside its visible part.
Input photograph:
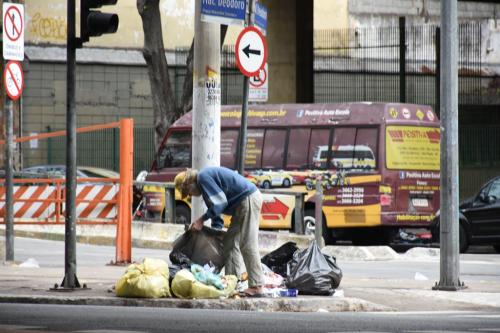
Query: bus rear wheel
(310, 227)
(182, 215)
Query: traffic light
(94, 23)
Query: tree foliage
(166, 109)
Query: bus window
(255, 139)
(228, 148)
(318, 147)
(274, 147)
(343, 147)
(297, 148)
(176, 153)
(365, 151)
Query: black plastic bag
(278, 259)
(172, 270)
(199, 247)
(312, 272)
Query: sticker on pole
(13, 31)
(251, 51)
(13, 78)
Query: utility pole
(449, 225)
(206, 98)
(242, 139)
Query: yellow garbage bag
(184, 285)
(148, 279)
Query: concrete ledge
(366, 253)
(299, 304)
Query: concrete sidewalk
(31, 285)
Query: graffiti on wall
(47, 27)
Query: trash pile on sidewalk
(196, 271)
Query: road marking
(495, 316)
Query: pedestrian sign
(13, 31)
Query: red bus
(379, 163)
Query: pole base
(460, 286)
(77, 286)
(118, 263)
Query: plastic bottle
(289, 292)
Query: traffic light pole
(449, 223)
(206, 98)
(70, 280)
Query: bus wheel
(310, 227)
(182, 215)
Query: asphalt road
(17, 318)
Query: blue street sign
(261, 17)
(229, 12)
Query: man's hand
(197, 225)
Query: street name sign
(261, 17)
(13, 31)
(229, 12)
(251, 51)
(13, 78)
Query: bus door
(354, 199)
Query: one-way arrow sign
(247, 50)
(251, 51)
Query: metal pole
(206, 99)
(318, 213)
(242, 139)
(9, 195)
(438, 71)
(402, 59)
(70, 280)
(449, 233)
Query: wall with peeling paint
(46, 24)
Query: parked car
(479, 218)
(59, 170)
(268, 179)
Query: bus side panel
(355, 204)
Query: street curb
(313, 304)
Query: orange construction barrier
(98, 200)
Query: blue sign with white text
(229, 12)
(261, 17)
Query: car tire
(182, 215)
(310, 221)
(463, 239)
(286, 182)
(463, 236)
(266, 184)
